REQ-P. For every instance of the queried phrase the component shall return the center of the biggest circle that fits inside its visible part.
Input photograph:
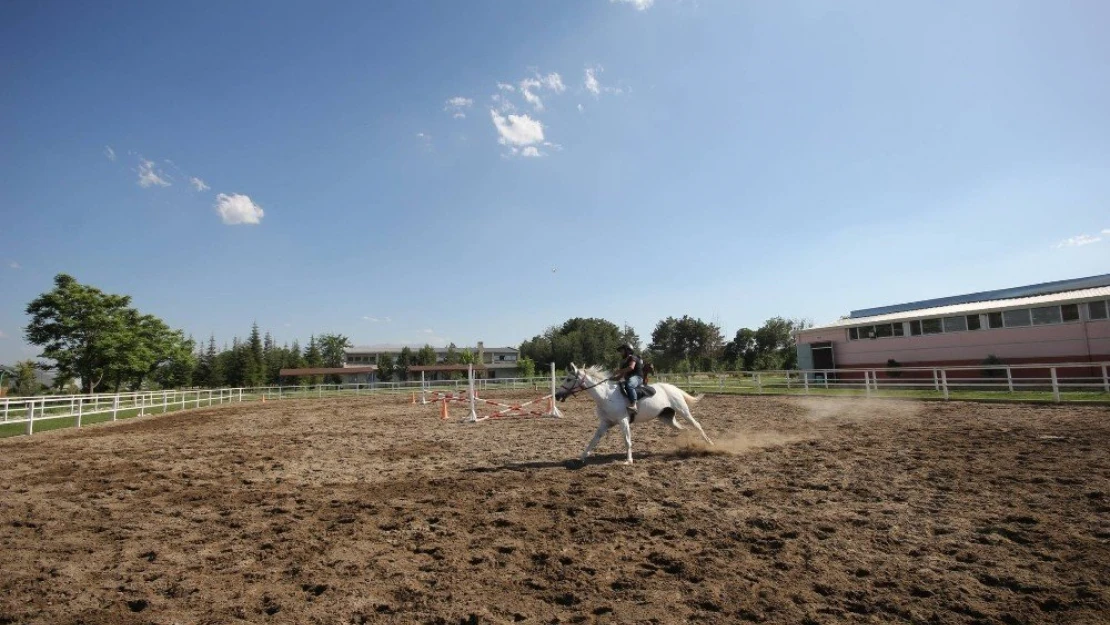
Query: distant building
(1064, 321)
(498, 362)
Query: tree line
(101, 340)
(677, 345)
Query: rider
(630, 375)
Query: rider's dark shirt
(637, 365)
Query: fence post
(80, 403)
(805, 381)
(944, 383)
(788, 380)
(1055, 385)
(142, 404)
(867, 383)
(115, 406)
(6, 400)
(30, 417)
(240, 395)
(165, 402)
(759, 383)
(1105, 386)
(1009, 379)
(936, 382)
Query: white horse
(612, 405)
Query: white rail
(1057, 382)
(81, 409)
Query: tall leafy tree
(98, 337)
(686, 344)
(386, 367)
(313, 359)
(24, 381)
(740, 352)
(426, 356)
(579, 340)
(333, 350)
(404, 360)
(292, 360)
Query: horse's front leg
(627, 438)
(602, 428)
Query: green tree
(628, 335)
(178, 368)
(333, 350)
(255, 374)
(313, 359)
(527, 367)
(740, 352)
(80, 328)
(695, 343)
(24, 381)
(386, 368)
(404, 360)
(292, 359)
(426, 356)
(452, 355)
(774, 343)
(579, 340)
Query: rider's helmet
(625, 347)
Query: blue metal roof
(1043, 288)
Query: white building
(500, 362)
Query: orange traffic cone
(443, 411)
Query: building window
(1096, 310)
(884, 330)
(1016, 318)
(1070, 312)
(899, 328)
(931, 326)
(973, 322)
(915, 328)
(853, 334)
(1046, 315)
(955, 324)
(994, 320)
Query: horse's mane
(597, 372)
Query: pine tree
(255, 374)
(313, 358)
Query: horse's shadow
(573, 464)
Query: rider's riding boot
(632, 410)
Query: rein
(579, 385)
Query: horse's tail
(690, 399)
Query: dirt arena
(371, 510)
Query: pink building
(1063, 321)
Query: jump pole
(473, 400)
(423, 396)
(554, 409)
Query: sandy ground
(372, 510)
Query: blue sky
(723, 159)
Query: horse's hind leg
(689, 417)
(627, 438)
(667, 415)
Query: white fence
(1058, 382)
(29, 411)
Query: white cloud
(109, 152)
(238, 209)
(580, 109)
(554, 82)
(198, 184)
(592, 85)
(1106, 231)
(504, 105)
(531, 152)
(641, 5)
(456, 105)
(1079, 241)
(149, 176)
(526, 87)
(15, 265)
(517, 130)
(428, 331)
(377, 319)
(504, 86)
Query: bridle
(580, 385)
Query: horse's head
(574, 382)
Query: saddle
(643, 391)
